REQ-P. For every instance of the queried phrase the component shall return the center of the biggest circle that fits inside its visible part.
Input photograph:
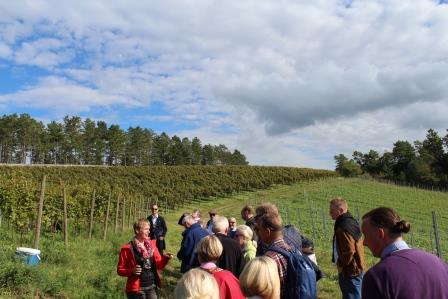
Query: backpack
(300, 280)
(292, 237)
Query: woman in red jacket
(139, 261)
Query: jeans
(145, 293)
(351, 286)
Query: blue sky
(286, 82)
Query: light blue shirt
(397, 245)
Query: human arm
(126, 263)
(346, 245)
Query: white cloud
(332, 76)
(63, 96)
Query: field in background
(87, 268)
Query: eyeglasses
(232, 222)
(154, 209)
(212, 214)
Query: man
(232, 257)
(157, 228)
(212, 213)
(270, 231)
(247, 213)
(192, 234)
(348, 250)
(402, 272)
(232, 227)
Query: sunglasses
(212, 214)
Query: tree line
(24, 140)
(423, 162)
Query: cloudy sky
(285, 82)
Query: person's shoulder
(126, 246)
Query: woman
(260, 279)
(196, 284)
(244, 236)
(139, 261)
(209, 250)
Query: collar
(395, 246)
(208, 265)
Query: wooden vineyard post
(92, 213)
(64, 198)
(130, 214)
(436, 234)
(116, 214)
(123, 214)
(139, 208)
(106, 221)
(40, 211)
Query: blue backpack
(300, 282)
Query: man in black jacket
(157, 228)
(232, 257)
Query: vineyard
(86, 267)
(127, 191)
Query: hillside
(75, 273)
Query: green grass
(88, 268)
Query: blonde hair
(196, 284)
(260, 278)
(209, 249)
(245, 231)
(339, 202)
(139, 224)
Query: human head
(381, 227)
(212, 213)
(232, 223)
(338, 206)
(141, 228)
(243, 234)
(188, 221)
(247, 212)
(196, 214)
(260, 278)
(269, 223)
(196, 284)
(154, 209)
(220, 224)
(209, 249)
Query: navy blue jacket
(191, 237)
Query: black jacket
(232, 257)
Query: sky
(288, 83)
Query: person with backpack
(296, 272)
(348, 250)
(139, 261)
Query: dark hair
(389, 219)
(248, 208)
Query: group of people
(258, 259)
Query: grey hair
(220, 224)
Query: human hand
(168, 255)
(137, 270)
(161, 238)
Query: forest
(421, 162)
(24, 140)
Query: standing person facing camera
(140, 261)
(348, 250)
(157, 228)
(402, 272)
